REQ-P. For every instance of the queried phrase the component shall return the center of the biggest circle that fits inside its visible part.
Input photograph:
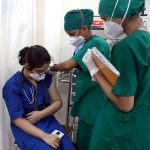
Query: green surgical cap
(73, 19)
(106, 8)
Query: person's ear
(28, 66)
(126, 22)
(84, 30)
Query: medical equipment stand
(72, 84)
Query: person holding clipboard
(124, 122)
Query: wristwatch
(53, 68)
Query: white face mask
(76, 40)
(37, 76)
(112, 29)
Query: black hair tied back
(36, 56)
(23, 55)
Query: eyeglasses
(42, 71)
(74, 32)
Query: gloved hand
(88, 61)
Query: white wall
(66, 50)
(147, 5)
(146, 19)
(53, 22)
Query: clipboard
(108, 71)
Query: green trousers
(84, 135)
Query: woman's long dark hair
(36, 56)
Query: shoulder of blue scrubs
(48, 79)
(15, 80)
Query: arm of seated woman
(29, 128)
(56, 104)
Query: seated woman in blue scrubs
(31, 100)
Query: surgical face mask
(112, 29)
(76, 40)
(37, 76)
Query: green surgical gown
(89, 96)
(117, 130)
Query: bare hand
(52, 140)
(51, 71)
(34, 117)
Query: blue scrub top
(18, 105)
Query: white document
(104, 60)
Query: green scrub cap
(106, 7)
(74, 19)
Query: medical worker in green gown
(124, 122)
(89, 97)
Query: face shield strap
(82, 19)
(114, 10)
(124, 14)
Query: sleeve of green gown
(100, 45)
(125, 62)
(78, 57)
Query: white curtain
(16, 31)
(23, 23)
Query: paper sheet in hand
(108, 71)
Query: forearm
(124, 103)
(50, 110)
(64, 66)
(106, 87)
(61, 67)
(29, 128)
